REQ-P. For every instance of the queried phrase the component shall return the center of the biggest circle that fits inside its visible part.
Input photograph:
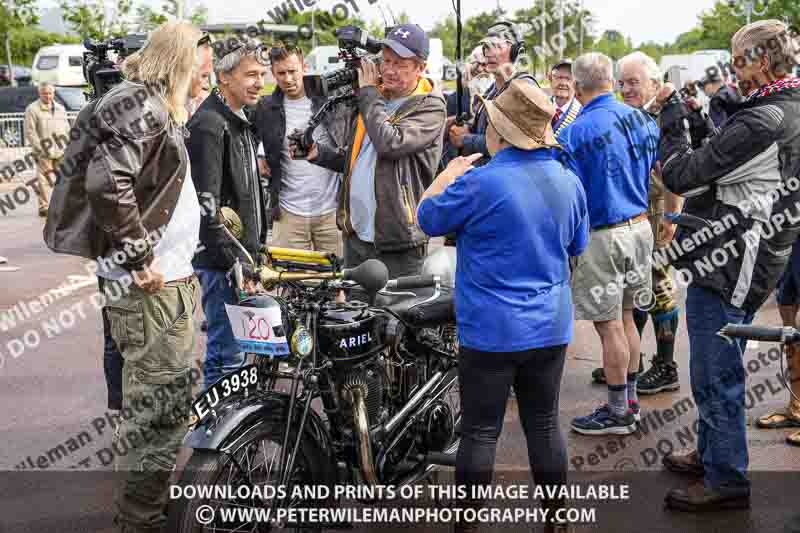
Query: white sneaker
(3, 260)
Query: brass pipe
(299, 259)
(270, 277)
(361, 423)
(294, 252)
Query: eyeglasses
(633, 84)
(204, 40)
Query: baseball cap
(566, 62)
(408, 40)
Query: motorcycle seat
(418, 314)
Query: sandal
(793, 439)
(779, 420)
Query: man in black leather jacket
(222, 151)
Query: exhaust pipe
(361, 424)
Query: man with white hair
(47, 133)
(640, 82)
(612, 149)
(222, 150)
(739, 183)
(477, 81)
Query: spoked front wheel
(240, 487)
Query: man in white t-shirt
(303, 197)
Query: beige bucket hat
(522, 115)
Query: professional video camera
(102, 73)
(337, 86)
(352, 41)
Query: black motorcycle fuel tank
(350, 333)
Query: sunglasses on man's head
(205, 39)
(225, 47)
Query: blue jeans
(222, 350)
(112, 359)
(718, 382)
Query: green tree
(15, 15)
(654, 50)
(614, 44)
(148, 19)
(474, 28)
(25, 42)
(717, 25)
(95, 19)
(576, 21)
(446, 31)
(325, 25)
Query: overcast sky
(642, 20)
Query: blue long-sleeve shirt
(517, 220)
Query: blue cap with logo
(408, 40)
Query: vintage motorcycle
(360, 392)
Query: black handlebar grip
(756, 333)
(412, 282)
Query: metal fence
(13, 147)
(12, 128)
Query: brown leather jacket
(409, 147)
(120, 180)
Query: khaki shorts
(614, 273)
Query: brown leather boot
(687, 464)
(462, 526)
(559, 528)
(790, 416)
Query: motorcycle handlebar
(760, 333)
(412, 282)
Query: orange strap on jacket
(423, 87)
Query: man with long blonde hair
(125, 197)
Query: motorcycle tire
(208, 468)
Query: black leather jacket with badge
(222, 150)
(121, 177)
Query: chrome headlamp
(302, 342)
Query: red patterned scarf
(775, 87)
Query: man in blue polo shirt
(612, 148)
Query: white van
(435, 62)
(705, 62)
(59, 64)
(323, 59)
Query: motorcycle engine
(370, 377)
(436, 428)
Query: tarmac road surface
(53, 398)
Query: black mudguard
(239, 419)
